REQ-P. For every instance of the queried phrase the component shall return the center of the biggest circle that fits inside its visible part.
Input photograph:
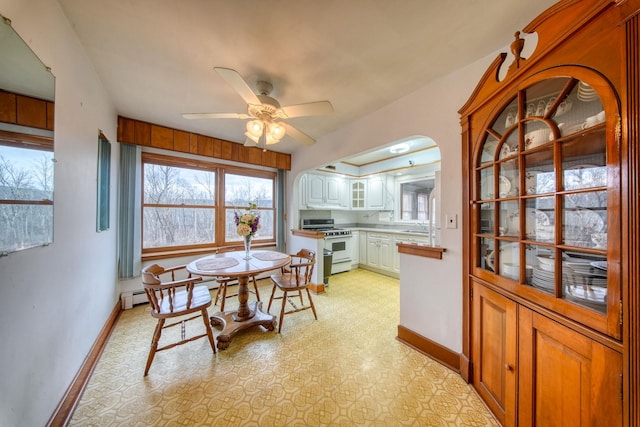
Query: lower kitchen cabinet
(533, 371)
(355, 254)
(379, 251)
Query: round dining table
(234, 265)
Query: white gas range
(337, 240)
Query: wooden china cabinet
(551, 221)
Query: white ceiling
(156, 57)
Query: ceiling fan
(267, 115)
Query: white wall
(55, 300)
(433, 112)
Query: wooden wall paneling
(268, 158)
(181, 141)
(193, 143)
(142, 133)
(161, 137)
(126, 130)
(283, 161)
(254, 155)
(205, 145)
(50, 115)
(238, 153)
(31, 112)
(7, 107)
(631, 210)
(217, 148)
(226, 150)
(133, 131)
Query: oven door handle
(343, 236)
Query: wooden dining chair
(291, 281)
(172, 299)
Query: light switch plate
(451, 221)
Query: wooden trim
(62, 415)
(420, 250)
(132, 131)
(307, 233)
(631, 246)
(424, 345)
(26, 111)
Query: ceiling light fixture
(403, 147)
(272, 132)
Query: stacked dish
(543, 280)
(586, 93)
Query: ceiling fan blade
(309, 109)
(238, 84)
(215, 116)
(297, 135)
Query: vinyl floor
(345, 369)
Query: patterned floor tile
(344, 369)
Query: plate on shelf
(601, 265)
(589, 295)
(536, 220)
(505, 255)
(504, 186)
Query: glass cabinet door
(543, 187)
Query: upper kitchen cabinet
(550, 146)
(358, 193)
(325, 191)
(378, 195)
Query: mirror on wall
(26, 145)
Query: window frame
(218, 205)
(36, 143)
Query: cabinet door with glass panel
(547, 197)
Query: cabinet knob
(508, 367)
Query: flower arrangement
(247, 223)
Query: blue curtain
(280, 208)
(129, 244)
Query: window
(240, 190)
(415, 199)
(189, 204)
(26, 192)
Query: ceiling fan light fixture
(249, 142)
(276, 130)
(255, 128)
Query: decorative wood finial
(516, 49)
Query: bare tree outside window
(26, 198)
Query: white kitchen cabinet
(377, 194)
(358, 193)
(379, 251)
(324, 191)
(302, 192)
(404, 239)
(355, 255)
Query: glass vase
(247, 247)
